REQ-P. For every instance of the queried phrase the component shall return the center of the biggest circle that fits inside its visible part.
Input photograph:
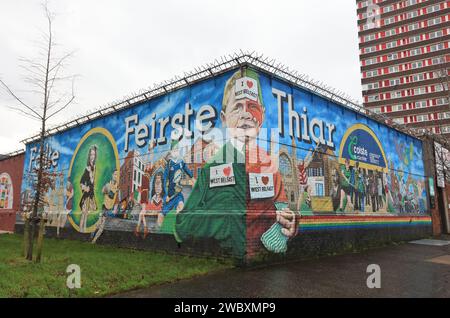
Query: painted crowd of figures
(364, 190)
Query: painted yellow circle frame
(362, 164)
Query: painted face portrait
(242, 109)
(158, 185)
(92, 156)
(175, 153)
(242, 117)
(115, 177)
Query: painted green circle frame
(107, 134)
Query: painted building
(11, 168)
(230, 151)
(404, 54)
(289, 171)
(197, 155)
(132, 174)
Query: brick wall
(430, 172)
(13, 166)
(447, 187)
(306, 245)
(446, 207)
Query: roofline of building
(220, 66)
(11, 154)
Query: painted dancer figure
(87, 184)
(222, 204)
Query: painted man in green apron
(224, 203)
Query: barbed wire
(229, 62)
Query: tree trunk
(30, 240)
(37, 198)
(40, 240)
(26, 231)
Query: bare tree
(44, 76)
(442, 163)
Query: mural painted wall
(242, 158)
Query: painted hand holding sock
(273, 239)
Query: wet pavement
(407, 270)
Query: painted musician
(109, 207)
(239, 196)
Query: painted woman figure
(87, 183)
(154, 206)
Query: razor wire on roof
(340, 98)
(224, 64)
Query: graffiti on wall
(239, 158)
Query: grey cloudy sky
(123, 46)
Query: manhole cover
(431, 242)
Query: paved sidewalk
(407, 270)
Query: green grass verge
(104, 269)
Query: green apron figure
(222, 204)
